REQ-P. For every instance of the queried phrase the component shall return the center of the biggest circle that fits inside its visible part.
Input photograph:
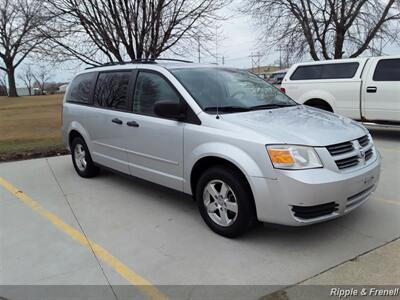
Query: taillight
(283, 90)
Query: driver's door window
(151, 88)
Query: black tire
(90, 169)
(235, 180)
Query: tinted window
(328, 71)
(307, 72)
(80, 88)
(151, 88)
(112, 90)
(387, 70)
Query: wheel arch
(76, 129)
(207, 162)
(318, 102)
(318, 95)
(72, 135)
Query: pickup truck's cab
(366, 89)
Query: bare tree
(42, 77)
(20, 34)
(94, 30)
(326, 29)
(3, 84)
(28, 78)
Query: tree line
(99, 31)
(326, 29)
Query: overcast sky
(236, 41)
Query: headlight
(293, 157)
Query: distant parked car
(244, 150)
(366, 89)
(63, 88)
(277, 77)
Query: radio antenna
(218, 99)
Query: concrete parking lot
(59, 229)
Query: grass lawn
(30, 126)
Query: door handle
(132, 124)
(117, 121)
(371, 89)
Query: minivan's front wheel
(225, 201)
(82, 160)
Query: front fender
(231, 153)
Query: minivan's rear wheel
(82, 160)
(225, 201)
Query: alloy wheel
(80, 157)
(220, 202)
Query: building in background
(22, 91)
(264, 71)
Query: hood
(299, 125)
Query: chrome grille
(368, 154)
(352, 153)
(363, 141)
(340, 148)
(347, 162)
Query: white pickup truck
(365, 89)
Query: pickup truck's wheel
(82, 160)
(225, 201)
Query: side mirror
(169, 109)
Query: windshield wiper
(227, 108)
(270, 106)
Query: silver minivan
(244, 150)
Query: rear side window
(151, 88)
(325, 71)
(387, 70)
(80, 88)
(112, 90)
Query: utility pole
(223, 60)
(256, 62)
(216, 44)
(280, 57)
(198, 46)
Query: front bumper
(298, 198)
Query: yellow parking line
(379, 199)
(142, 284)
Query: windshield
(230, 90)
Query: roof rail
(173, 59)
(139, 61)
